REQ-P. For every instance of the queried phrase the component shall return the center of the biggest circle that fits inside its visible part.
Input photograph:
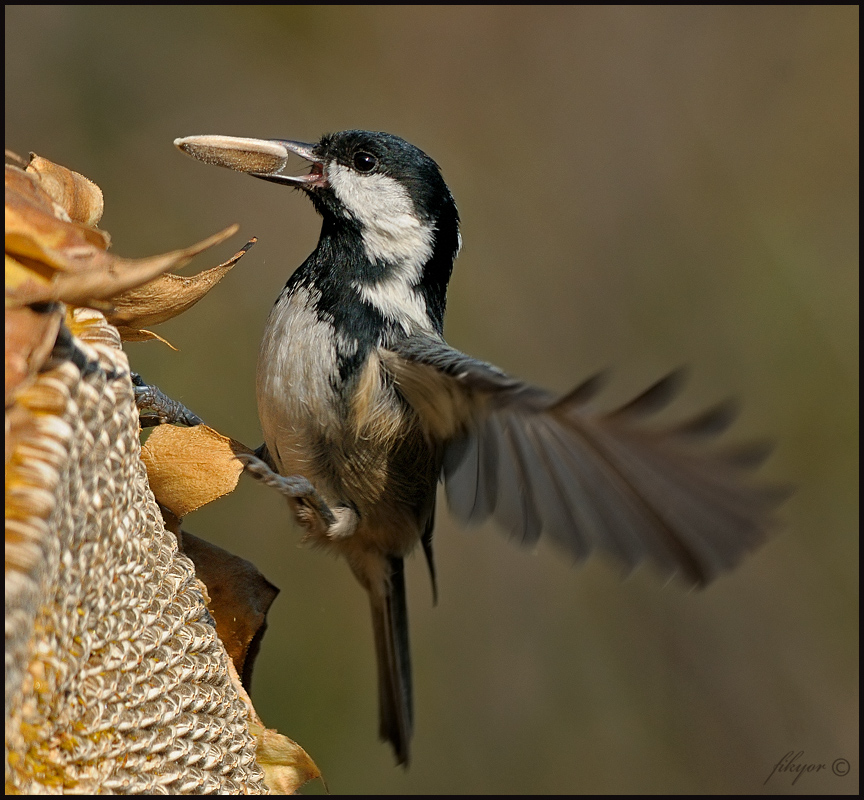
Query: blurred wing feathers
(540, 465)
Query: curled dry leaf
(107, 277)
(286, 765)
(240, 597)
(190, 467)
(141, 335)
(30, 337)
(78, 196)
(23, 280)
(22, 184)
(38, 228)
(165, 297)
(53, 252)
(93, 278)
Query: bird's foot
(163, 410)
(345, 521)
(295, 487)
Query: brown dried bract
(240, 597)
(30, 337)
(165, 297)
(286, 765)
(190, 467)
(54, 252)
(78, 196)
(38, 227)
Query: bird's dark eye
(365, 162)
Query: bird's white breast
(296, 369)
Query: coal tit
(360, 395)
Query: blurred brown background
(640, 188)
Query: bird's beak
(261, 158)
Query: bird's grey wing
(543, 465)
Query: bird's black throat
(339, 267)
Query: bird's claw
(294, 486)
(164, 409)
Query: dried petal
(240, 597)
(98, 276)
(141, 335)
(190, 467)
(27, 186)
(30, 337)
(52, 255)
(166, 297)
(79, 197)
(25, 278)
(35, 231)
(286, 765)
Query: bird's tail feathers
(390, 624)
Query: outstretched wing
(541, 465)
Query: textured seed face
(243, 155)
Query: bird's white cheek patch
(392, 231)
(397, 300)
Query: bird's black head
(384, 198)
(366, 173)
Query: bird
(362, 402)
